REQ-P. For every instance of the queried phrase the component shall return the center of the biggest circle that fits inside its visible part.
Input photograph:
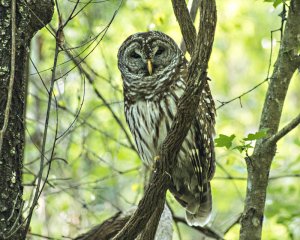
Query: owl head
(148, 56)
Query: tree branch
(77, 61)
(186, 24)
(107, 229)
(193, 9)
(285, 130)
(188, 104)
(208, 232)
(259, 164)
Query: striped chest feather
(149, 122)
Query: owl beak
(149, 66)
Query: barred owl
(154, 73)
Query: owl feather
(154, 73)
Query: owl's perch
(110, 227)
(154, 197)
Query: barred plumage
(154, 72)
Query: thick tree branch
(193, 9)
(284, 131)
(188, 104)
(186, 24)
(258, 165)
(107, 229)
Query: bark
(106, 230)
(110, 227)
(258, 165)
(186, 24)
(30, 17)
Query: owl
(154, 73)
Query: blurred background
(95, 170)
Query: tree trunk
(259, 164)
(20, 19)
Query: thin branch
(208, 232)
(82, 8)
(99, 95)
(285, 176)
(71, 14)
(12, 72)
(102, 34)
(285, 130)
(40, 174)
(223, 103)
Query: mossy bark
(30, 17)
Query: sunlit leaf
(257, 135)
(224, 141)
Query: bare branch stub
(188, 104)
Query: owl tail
(198, 214)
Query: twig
(223, 103)
(208, 232)
(12, 72)
(285, 176)
(99, 95)
(203, 230)
(40, 174)
(102, 34)
(285, 130)
(297, 175)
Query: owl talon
(156, 158)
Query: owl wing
(204, 132)
(203, 159)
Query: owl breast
(150, 121)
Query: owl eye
(135, 55)
(159, 51)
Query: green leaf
(257, 135)
(224, 141)
(240, 148)
(243, 147)
(276, 3)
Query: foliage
(245, 143)
(95, 171)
